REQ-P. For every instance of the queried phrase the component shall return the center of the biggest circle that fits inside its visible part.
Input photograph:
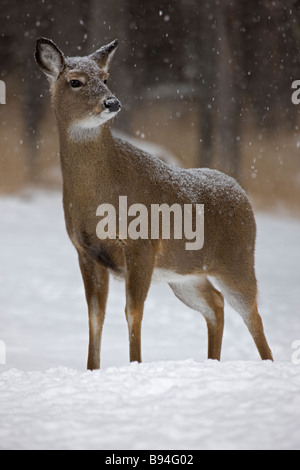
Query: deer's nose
(112, 104)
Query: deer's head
(81, 98)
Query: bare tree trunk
(208, 85)
(229, 106)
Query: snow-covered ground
(176, 399)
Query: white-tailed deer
(98, 168)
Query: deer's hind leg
(241, 292)
(200, 295)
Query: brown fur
(99, 168)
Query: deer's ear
(49, 58)
(104, 55)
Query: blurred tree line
(234, 59)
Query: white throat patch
(89, 127)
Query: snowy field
(176, 399)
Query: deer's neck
(85, 149)
(85, 161)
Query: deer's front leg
(139, 264)
(95, 278)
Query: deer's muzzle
(112, 104)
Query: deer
(98, 167)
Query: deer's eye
(76, 83)
(105, 81)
